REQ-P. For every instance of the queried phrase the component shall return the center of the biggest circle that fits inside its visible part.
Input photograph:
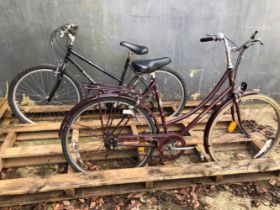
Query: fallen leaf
(179, 197)
(3, 175)
(256, 203)
(92, 205)
(99, 201)
(272, 181)
(57, 207)
(66, 203)
(152, 200)
(117, 207)
(196, 204)
(184, 191)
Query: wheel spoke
(101, 123)
(32, 89)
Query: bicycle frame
(62, 68)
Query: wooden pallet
(19, 191)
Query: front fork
(59, 74)
(236, 101)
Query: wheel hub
(110, 142)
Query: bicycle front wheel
(90, 138)
(30, 89)
(256, 136)
(172, 89)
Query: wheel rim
(260, 119)
(166, 82)
(93, 148)
(32, 89)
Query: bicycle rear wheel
(90, 138)
(227, 140)
(172, 89)
(29, 90)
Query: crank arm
(183, 148)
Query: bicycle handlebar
(221, 37)
(242, 48)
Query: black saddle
(149, 66)
(138, 49)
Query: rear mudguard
(106, 95)
(217, 111)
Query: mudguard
(217, 111)
(104, 95)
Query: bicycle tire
(78, 121)
(27, 73)
(178, 106)
(260, 116)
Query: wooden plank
(16, 200)
(56, 125)
(54, 149)
(237, 137)
(30, 127)
(135, 132)
(8, 141)
(65, 108)
(40, 135)
(33, 161)
(3, 106)
(47, 126)
(29, 136)
(46, 108)
(135, 175)
(3, 100)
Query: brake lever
(259, 41)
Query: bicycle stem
(228, 53)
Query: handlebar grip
(207, 39)
(253, 35)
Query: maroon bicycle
(116, 130)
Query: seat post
(128, 60)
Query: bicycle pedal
(200, 154)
